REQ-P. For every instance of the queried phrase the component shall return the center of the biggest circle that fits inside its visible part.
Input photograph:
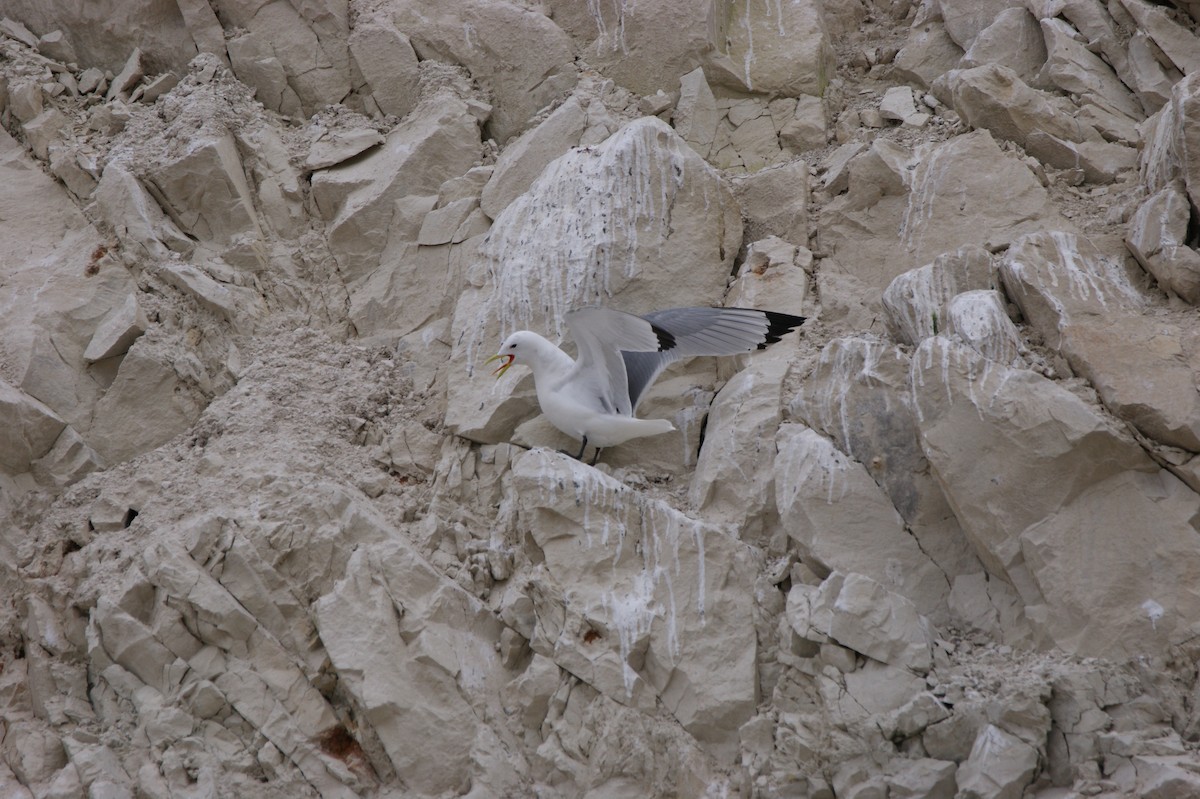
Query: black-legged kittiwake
(593, 398)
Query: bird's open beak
(508, 359)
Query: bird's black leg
(595, 457)
(582, 447)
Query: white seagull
(593, 398)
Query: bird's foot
(582, 447)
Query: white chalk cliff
(268, 528)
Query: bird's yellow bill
(508, 359)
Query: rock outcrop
(268, 527)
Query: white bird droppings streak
(556, 246)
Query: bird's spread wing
(599, 376)
(701, 331)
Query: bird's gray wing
(602, 334)
(702, 331)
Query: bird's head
(518, 348)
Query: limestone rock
(807, 129)
(386, 59)
(146, 405)
(1046, 433)
(117, 331)
(43, 130)
(652, 592)
(128, 77)
(1100, 162)
(521, 57)
(436, 142)
(67, 167)
(965, 19)
(1150, 80)
(898, 104)
(29, 429)
(1072, 294)
(240, 306)
(338, 145)
(590, 246)
(525, 158)
(773, 278)
(917, 302)
(1013, 40)
(931, 217)
(928, 53)
(980, 319)
(1000, 766)
(407, 685)
(127, 207)
(33, 751)
(994, 98)
(782, 50)
(204, 191)
(158, 30)
(868, 618)
(747, 409)
(290, 55)
(1175, 41)
(51, 306)
(924, 777)
(1156, 237)
(15, 30)
(1171, 135)
(1073, 68)
(775, 202)
(813, 484)
(696, 112)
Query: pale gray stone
(928, 53)
(782, 50)
(813, 485)
(340, 144)
(739, 437)
(1000, 766)
(980, 319)
(1174, 40)
(696, 112)
(204, 190)
(117, 331)
(1028, 543)
(868, 618)
(28, 429)
(436, 142)
(386, 59)
(15, 30)
(917, 302)
(1013, 40)
(43, 130)
(1143, 368)
(654, 620)
(775, 203)
(521, 57)
(898, 103)
(128, 77)
(1156, 237)
(526, 157)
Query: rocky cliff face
(268, 529)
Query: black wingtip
(779, 325)
(666, 341)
